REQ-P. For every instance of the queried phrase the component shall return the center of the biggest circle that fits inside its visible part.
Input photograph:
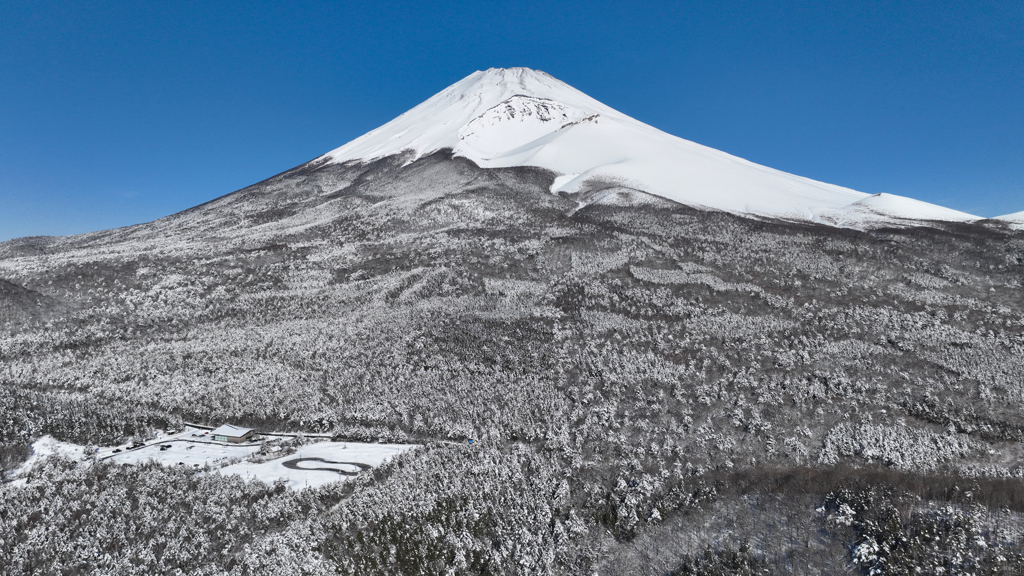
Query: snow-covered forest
(650, 388)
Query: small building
(233, 434)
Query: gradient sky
(115, 113)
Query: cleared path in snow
(358, 457)
(294, 464)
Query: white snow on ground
(562, 181)
(185, 453)
(46, 446)
(1015, 220)
(523, 117)
(884, 208)
(195, 448)
(338, 455)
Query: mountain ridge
(1015, 219)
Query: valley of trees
(651, 388)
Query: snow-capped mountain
(573, 379)
(522, 117)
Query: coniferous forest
(649, 388)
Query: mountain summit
(506, 117)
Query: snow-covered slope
(1015, 220)
(522, 117)
(889, 208)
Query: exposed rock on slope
(522, 117)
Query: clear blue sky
(114, 113)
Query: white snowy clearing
(311, 465)
(522, 117)
(41, 448)
(317, 464)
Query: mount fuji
(605, 349)
(511, 117)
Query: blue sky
(114, 113)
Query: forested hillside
(651, 389)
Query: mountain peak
(526, 79)
(506, 117)
(437, 122)
(516, 73)
(507, 81)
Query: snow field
(311, 466)
(308, 463)
(46, 446)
